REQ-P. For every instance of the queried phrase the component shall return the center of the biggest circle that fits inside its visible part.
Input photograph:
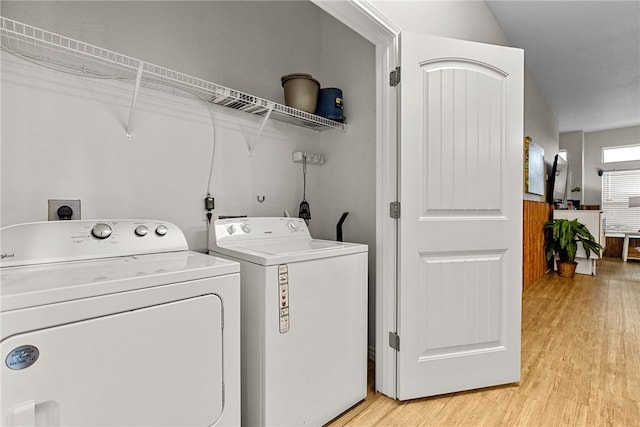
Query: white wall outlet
(297, 156)
(57, 212)
(312, 158)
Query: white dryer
(113, 323)
(304, 320)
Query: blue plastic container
(330, 104)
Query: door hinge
(394, 77)
(394, 341)
(394, 210)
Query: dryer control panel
(58, 241)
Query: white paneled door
(460, 229)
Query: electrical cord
(304, 176)
(213, 145)
(211, 167)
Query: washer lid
(29, 286)
(273, 240)
(286, 251)
(289, 247)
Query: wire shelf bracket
(133, 102)
(69, 55)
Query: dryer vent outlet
(60, 209)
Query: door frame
(363, 18)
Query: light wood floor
(580, 363)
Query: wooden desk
(625, 245)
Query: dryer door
(160, 365)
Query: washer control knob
(292, 225)
(231, 229)
(161, 230)
(141, 230)
(101, 231)
(246, 228)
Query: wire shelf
(63, 53)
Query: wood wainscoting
(534, 263)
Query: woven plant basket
(566, 269)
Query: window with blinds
(617, 187)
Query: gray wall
(55, 124)
(573, 142)
(593, 144)
(541, 125)
(584, 151)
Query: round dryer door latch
(101, 231)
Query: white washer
(113, 323)
(304, 320)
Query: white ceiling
(583, 55)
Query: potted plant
(561, 239)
